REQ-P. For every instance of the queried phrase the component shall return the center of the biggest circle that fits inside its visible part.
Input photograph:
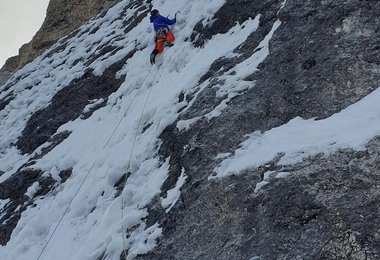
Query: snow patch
(265, 181)
(222, 156)
(32, 190)
(301, 138)
(283, 174)
(93, 103)
(174, 194)
(233, 78)
(143, 240)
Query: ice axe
(175, 15)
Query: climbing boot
(168, 44)
(153, 57)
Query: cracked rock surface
(322, 59)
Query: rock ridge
(62, 17)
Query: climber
(164, 37)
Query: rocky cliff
(62, 17)
(256, 136)
(4, 76)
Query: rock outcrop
(4, 76)
(324, 57)
(62, 17)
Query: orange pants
(169, 37)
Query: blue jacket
(161, 22)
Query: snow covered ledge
(353, 127)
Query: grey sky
(19, 21)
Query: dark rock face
(322, 59)
(5, 101)
(14, 189)
(232, 13)
(4, 76)
(67, 105)
(329, 205)
(326, 209)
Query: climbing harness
(161, 33)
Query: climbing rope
(129, 162)
(126, 111)
(92, 166)
(64, 213)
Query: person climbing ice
(164, 37)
